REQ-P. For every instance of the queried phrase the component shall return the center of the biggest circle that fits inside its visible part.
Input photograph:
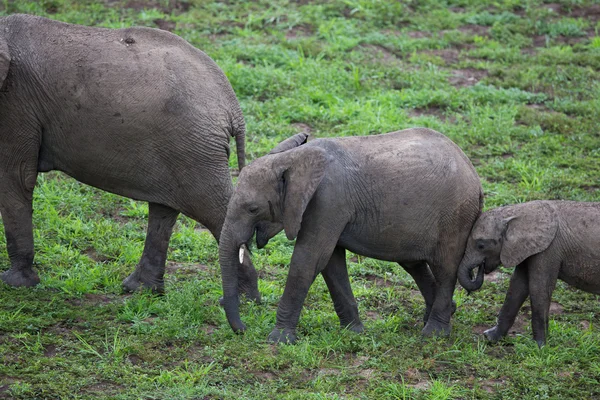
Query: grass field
(514, 83)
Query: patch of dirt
(377, 53)
(431, 111)
(95, 256)
(378, 280)
(591, 13)
(522, 320)
(478, 30)
(366, 373)
(165, 6)
(554, 7)
(50, 351)
(372, 315)
(165, 25)
(418, 34)
(585, 325)
(134, 359)
(540, 40)
(491, 385)
(556, 308)
(209, 329)
(450, 56)
(467, 77)
(298, 31)
(185, 269)
(329, 371)
(263, 376)
(302, 127)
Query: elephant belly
(387, 246)
(582, 274)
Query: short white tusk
(241, 254)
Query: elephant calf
(410, 196)
(544, 241)
(138, 112)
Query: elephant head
(271, 194)
(4, 61)
(506, 235)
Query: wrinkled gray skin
(137, 112)
(409, 196)
(544, 241)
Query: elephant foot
(493, 334)
(428, 311)
(285, 336)
(135, 282)
(354, 326)
(20, 277)
(433, 328)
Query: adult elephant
(410, 196)
(138, 112)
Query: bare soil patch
(478, 30)
(299, 31)
(165, 25)
(95, 256)
(436, 112)
(378, 280)
(556, 308)
(377, 53)
(467, 77)
(491, 385)
(450, 56)
(496, 276)
(591, 13)
(50, 351)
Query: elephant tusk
(241, 254)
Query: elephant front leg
(16, 193)
(541, 285)
(518, 291)
(149, 273)
(313, 250)
(338, 283)
(425, 281)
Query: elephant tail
(240, 146)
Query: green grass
(515, 84)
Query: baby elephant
(544, 240)
(410, 196)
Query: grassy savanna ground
(515, 84)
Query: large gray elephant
(544, 241)
(410, 196)
(138, 112)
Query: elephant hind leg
(420, 272)
(443, 307)
(149, 273)
(335, 275)
(16, 195)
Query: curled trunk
(465, 276)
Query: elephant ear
(529, 230)
(4, 61)
(290, 143)
(305, 169)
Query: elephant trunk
(465, 275)
(229, 252)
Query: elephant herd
(141, 113)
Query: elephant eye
(480, 244)
(253, 209)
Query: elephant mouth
(479, 267)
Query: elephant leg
(336, 277)
(541, 286)
(149, 273)
(518, 290)
(438, 322)
(425, 281)
(314, 247)
(16, 194)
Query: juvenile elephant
(138, 112)
(410, 196)
(543, 240)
